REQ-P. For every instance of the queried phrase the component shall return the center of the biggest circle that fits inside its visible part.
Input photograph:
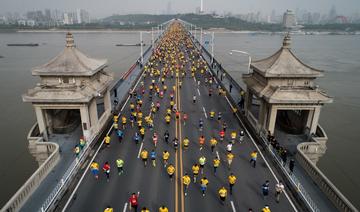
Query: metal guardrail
(291, 177)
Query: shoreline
(216, 30)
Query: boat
(22, 44)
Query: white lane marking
(97, 151)
(125, 207)
(141, 146)
(205, 112)
(138, 194)
(217, 154)
(232, 206)
(262, 156)
(194, 79)
(198, 92)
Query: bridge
(199, 89)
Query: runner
(166, 136)
(222, 135)
(201, 141)
(201, 124)
(166, 156)
(133, 200)
(229, 147)
(123, 121)
(155, 139)
(195, 168)
(203, 185)
(136, 138)
(213, 143)
(108, 209)
(175, 143)
(120, 166)
(253, 157)
(216, 163)
(106, 169)
(186, 181)
(144, 156)
(233, 136)
(94, 167)
(163, 209)
(185, 118)
(232, 181)
(153, 157)
(107, 141)
(145, 209)
(120, 134)
(229, 157)
(242, 135)
(186, 143)
(202, 161)
(170, 170)
(222, 194)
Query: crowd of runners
(173, 59)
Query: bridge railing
(329, 189)
(338, 199)
(25, 191)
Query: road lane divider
(141, 146)
(232, 206)
(205, 112)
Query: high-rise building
(289, 19)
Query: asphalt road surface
(153, 184)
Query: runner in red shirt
(106, 169)
(185, 117)
(222, 135)
(133, 201)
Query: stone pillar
(309, 118)
(107, 101)
(315, 120)
(85, 121)
(247, 102)
(93, 114)
(41, 121)
(272, 119)
(262, 115)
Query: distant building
(289, 19)
(67, 19)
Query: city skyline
(347, 7)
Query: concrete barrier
(25, 191)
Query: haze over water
(337, 55)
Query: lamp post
(141, 47)
(212, 45)
(245, 53)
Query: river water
(337, 55)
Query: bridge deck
(153, 184)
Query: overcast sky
(102, 8)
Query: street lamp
(212, 45)
(141, 47)
(245, 53)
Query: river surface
(338, 55)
